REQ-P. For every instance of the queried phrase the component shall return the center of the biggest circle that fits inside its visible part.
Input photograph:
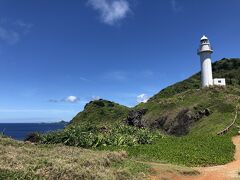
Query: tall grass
(94, 136)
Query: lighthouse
(205, 51)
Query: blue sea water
(19, 131)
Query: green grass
(189, 151)
(20, 160)
(194, 150)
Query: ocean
(19, 131)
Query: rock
(177, 125)
(134, 118)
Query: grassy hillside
(101, 112)
(20, 160)
(184, 113)
(181, 108)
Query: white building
(219, 82)
(205, 50)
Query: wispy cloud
(142, 98)
(12, 31)
(69, 99)
(176, 7)
(111, 11)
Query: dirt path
(227, 171)
(223, 172)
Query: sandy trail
(223, 172)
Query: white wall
(219, 82)
(206, 66)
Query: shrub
(33, 137)
(93, 136)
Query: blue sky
(57, 55)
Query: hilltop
(101, 112)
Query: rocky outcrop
(184, 119)
(134, 118)
(177, 125)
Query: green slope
(180, 114)
(101, 112)
(179, 109)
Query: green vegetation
(101, 112)
(20, 160)
(191, 150)
(221, 102)
(93, 136)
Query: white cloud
(69, 99)
(72, 99)
(142, 98)
(111, 11)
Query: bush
(93, 136)
(33, 137)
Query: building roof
(204, 38)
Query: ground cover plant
(193, 150)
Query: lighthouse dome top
(204, 38)
(205, 45)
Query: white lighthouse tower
(205, 51)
